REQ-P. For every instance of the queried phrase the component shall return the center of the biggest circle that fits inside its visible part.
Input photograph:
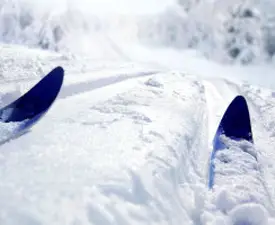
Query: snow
(232, 167)
(90, 161)
(7, 129)
(129, 138)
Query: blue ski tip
(36, 101)
(236, 121)
(236, 125)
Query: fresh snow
(129, 138)
(131, 145)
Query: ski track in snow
(254, 185)
(130, 145)
(141, 115)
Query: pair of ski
(19, 116)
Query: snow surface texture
(128, 140)
(132, 148)
(236, 167)
(6, 130)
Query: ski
(20, 115)
(235, 124)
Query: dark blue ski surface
(236, 125)
(29, 108)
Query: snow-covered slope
(128, 144)
(129, 138)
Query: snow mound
(237, 171)
(248, 214)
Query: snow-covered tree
(241, 31)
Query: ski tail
(236, 125)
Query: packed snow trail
(85, 155)
(132, 152)
(128, 141)
(125, 144)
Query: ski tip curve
(58, 70)
(37, 100)
(56, 76)
(236, 123)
